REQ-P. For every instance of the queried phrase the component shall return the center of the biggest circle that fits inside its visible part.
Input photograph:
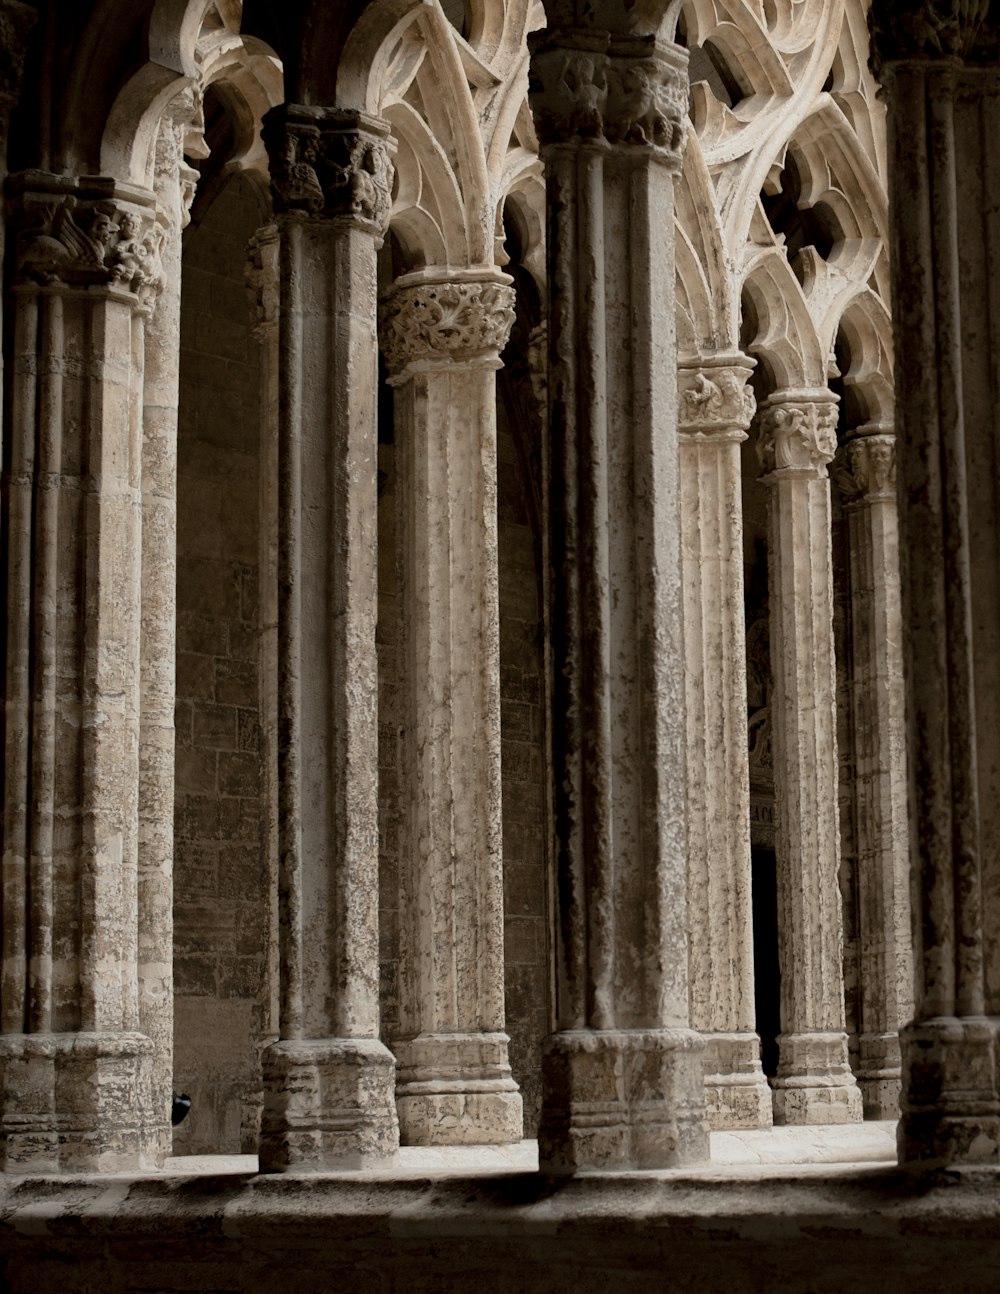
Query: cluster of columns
(85, 983)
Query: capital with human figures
(798, 433)
(627, 93)
(715, 400)
(330, 163)
(866, 468)
(452, 320)
(956, 31)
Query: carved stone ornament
(89, 244)
(16, 22)
(799, 436)
(262, 279)
(934, 30)
(328, 163)
(627, 93)
(445, 321)
(714, 399)
(866, 468)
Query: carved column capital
(934, 31)
(16, 22)
(603, 90)
(453, 320)
(865, 468)
(798, 433)
(87, 234)
(715, 400)
(330, 163)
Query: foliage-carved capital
(329, 163)
(84, 241)
(622, 93)
(798, 434)
(865, 468)
(715, 399)
(967, 31)
(456, 321)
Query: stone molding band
(798, 432)
(594, 88)
(451, 320)
(330, 163)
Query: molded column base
(950, 1112)
(737, 1095)
(878, 1074)
(456, 1089)
(622, 1099)
(77, 1102)
(328, 1104)
(814, 1083)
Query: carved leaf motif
(446, 320)
(934, 29)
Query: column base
(78, 1102)
(950, 1112)
(878, 1074)
(737, 1095)
(814, 1083)
(456, 1089)
(616, 1099)
(328, 1105)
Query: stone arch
(866, 331)
(706, 311)
(786, 338)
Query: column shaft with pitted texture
(622, 1077)
(814, 1083)
(716, 406)
(443, 337)
(940, 69)
(328, 1080)
(75, 1068)
(865, 472)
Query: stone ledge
(816, 1228)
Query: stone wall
(220, 893)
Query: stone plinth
(456, 1089)
(328, 1104)
(622, 1098)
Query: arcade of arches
(455, 622)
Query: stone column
(814, 1083)
(622, 1076)
(940, 69)
(174, 186)
(328, 1080)
(716, 406)
(443, 336)
(867, 479)
(75, 1070)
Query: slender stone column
(940, 69)
(443, 337)
(174, 187)
(75, 1070)
(622, 1076)
(328, 1080)
(866, 475)
(716, 406)
(814, 1083)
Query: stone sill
(478, 1221)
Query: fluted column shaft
(443, 335)
(814, 1083)
(867, 479)
(716, 406)
(941, 76)
(75, 1069)
(328, 1080)
(622, 1076)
